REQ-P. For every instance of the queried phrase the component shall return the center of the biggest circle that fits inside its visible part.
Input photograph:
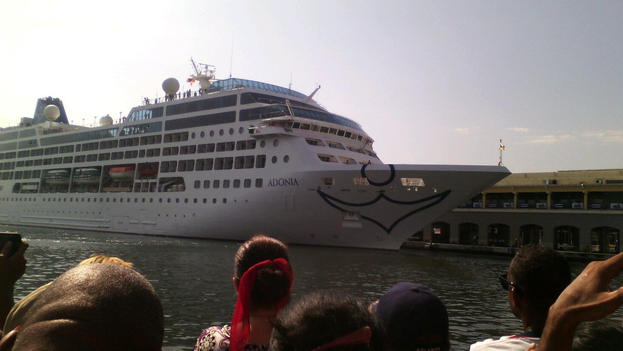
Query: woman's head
(263, 278)
(271, 284)
(324, 318)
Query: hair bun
(271, 285)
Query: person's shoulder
(17, 313)
(505, 343)
(215, 338)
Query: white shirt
(505, 343)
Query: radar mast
(204, 74)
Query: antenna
(290, 86)
(231, 62)
(195, 66)
(289, 107)
(309, 98)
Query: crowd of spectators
(104, 304)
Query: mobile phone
(15, 238)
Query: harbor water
(194, 278)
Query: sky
(432, 82)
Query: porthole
(221, 132)
(211, 133)
(240, 130)
(274, 159)
(276, 142)
(193, 135)
(202, 134)
(262, 143)
(231, 131)
(286, 158)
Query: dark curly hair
(540, 274)
(321, 317)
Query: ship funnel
(43, 105)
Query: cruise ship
(231, 159)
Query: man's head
(414, 317)
(101, 258)
(537, 275)
(92, 307)
(327, 320)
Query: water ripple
(193, 278)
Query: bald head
(93, 307)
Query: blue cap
(413, 315)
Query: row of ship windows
(205, 184)
(203, 164)
(207, 164)
(114, 200)
(111, 144)
(336, 145)
(219, 163)
(167, 151)
(342, 159)
(226, 183)
(176, 137)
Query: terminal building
(580, 211)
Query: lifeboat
(87, 176)
(30, 187)
(121, 173)
(57, 177)
(148, 171)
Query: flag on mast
(502, 147)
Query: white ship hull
(302, 212)
(314, 184)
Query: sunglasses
(505, 283)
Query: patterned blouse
(217, 339)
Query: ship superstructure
(235, 158)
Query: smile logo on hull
(368, 209)
(392, 175)
(374, 209)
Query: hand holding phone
(14, 238)
(12, 260)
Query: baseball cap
(414, 317)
